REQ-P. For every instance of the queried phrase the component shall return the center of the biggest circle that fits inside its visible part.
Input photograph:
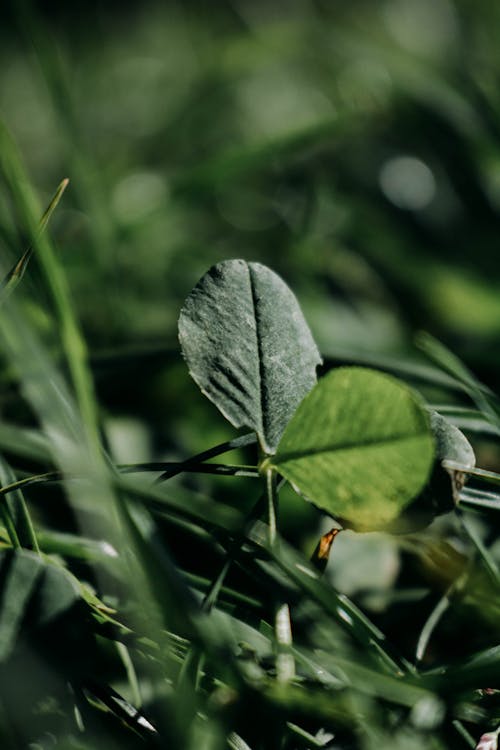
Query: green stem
(285, 664)
(272, 505)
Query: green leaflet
(248, 347)
(359, 446)
(451, 443)
(452, 448)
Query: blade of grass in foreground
(70, 421)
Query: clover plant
(359, 444)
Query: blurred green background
(354, 147)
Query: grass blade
(431, 624)
(249, 438)
(18, 509)
(16, 273)
(483, 397)
(487, 559)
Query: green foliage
(354, 148)
(359, 446)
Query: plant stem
(272, 505)
(285, 664)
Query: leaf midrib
(261, 373)
(296, 455)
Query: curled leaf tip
(321, 554)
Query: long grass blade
(484, 555)
(229, 445)
(16, 273)
(431, 624)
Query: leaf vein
(255, 306)
(304, 453)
